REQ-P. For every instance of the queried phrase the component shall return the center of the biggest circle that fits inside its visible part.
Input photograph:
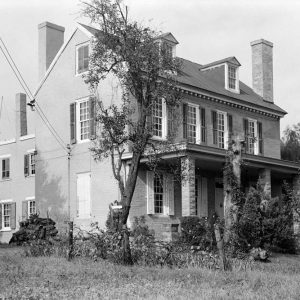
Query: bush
(196, 231)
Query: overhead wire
(28, 92)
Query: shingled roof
(204, 78)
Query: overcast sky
(207, 30)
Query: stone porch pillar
(265, 180)
(188, 186)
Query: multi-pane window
(5, 168)
(191, 124)
(31, 207)
(157, 118)
(251, 136)
(168, 49)
(84, 120)
(221, 129)
(29, 164)
(6, 215)
(158, 193)
(232, 77)
(82, 59)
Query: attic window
(232, 77)
(168, 50)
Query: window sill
(82, 141)
(81, 74)
(29, 176)
(158, 138)
(5, 179)
(5, 229)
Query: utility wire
(31, 97)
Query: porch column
(265, 180)
(188, 186)
(296, 188)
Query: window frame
(29, 201)
(3, 158)
(30, 154)
(2, 203)
(228, 78)
(84, 44)
(255, 137)
(160, 193)
(78, 121)
(198, 126)
(164, 120)
(225, 136)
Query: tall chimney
(51, 38)
(21, 115)
(262, 69)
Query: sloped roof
(213, 80)
(168, 36)
(196, 76)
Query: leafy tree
(141, 61)
(290, 143)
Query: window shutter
(73, 123)
(184, 122)
(230, 130)
(26, 165)
(246, 127)
(214, 122)
(169, 195)
(260, 138)
(150, 193)
(92, 109)
(203, 125)
(24, 210)
(13, 216)
(149, 120)
(1, 216)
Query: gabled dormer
(231, 72)
(168, 42)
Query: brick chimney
(51, 38)
(21, 115)
(262, 69)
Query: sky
(207, 30)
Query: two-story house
(215, 106)
(17, 172)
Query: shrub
(196, 231)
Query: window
(5, 168)
(220, 134)
(168, 50)
(191, 123)
(82, 58)
(253, 136)
(232, 77)
(160, 193)
(159, 118)
(82, 120)
(29, 164)
(7, 215)
(31, 208)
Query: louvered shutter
(150, 193)
(73, 123)
(92, 110)
(215, 129)
(260, 138)
(169, 195)
(13, 215)
(230, 129)
(80, 59)
(203, 125)
(1, 215)
(184, 121)
(246, 132)
(26, 165)
(24, 210)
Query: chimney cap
(261, 41)
(51, 25)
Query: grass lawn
(55, 278)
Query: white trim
(6, 142)
(237, 81)
(27, 137)
(77, 111)
(30, 198)
(28, 206)
(256, 142)
(85, 31)
(6, 201)
(214, 66)
(77, 47)
(5, 156)
(30, 151)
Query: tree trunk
(220, 245)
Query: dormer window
(232, 77)
(168, 49)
